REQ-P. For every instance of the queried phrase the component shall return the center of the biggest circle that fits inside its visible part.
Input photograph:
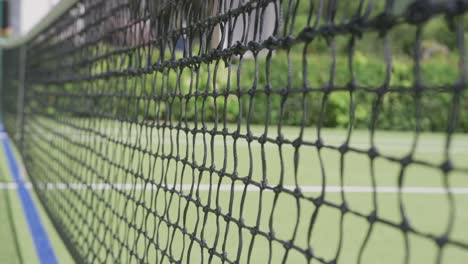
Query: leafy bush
(188, 94)
(304, 90)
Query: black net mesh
(239, 131)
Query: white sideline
(227, 187)
(8, 186)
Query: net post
(2, 64)
(19, 136)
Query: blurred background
(19, 16)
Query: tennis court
(17, 243)
(237, 131)
(173, 198)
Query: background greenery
(325, 66)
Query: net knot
(212, 132)
(382, 90)
(254, 230)
(318, 201)
(319, 143)
(406, 161)
(224, 256)
(356, 26)
(241, 222)
(372, 217)
(268, 89)
(271, 235)
(297, 192)
(442, 240)
(211, 251)
(262, 139)
(239, 48)
(307, 34)
(279, 140)
(263, 184)
(192, 235)
(297, 142)
(272, 43)
(212, 168)
(254, 46)
(384, 22)
(246, 181)
(405, 225)
(351, 86)
(418, 89)
(287, 42)
(277, 189)
(344, 207)
(249, 137)
(343, 148)
(309, 253)
(203, 243)
(447, 166)
(373, 153)
(227, 218)
(327, 31)
(459, 87)
(215, 54)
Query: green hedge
(153, 95)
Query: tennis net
(239, 131)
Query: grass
(98, 220)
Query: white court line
(227, 187)
(13, 185)
(8, 186)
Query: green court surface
(8, 249)
(97, 201)
(14, 225)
